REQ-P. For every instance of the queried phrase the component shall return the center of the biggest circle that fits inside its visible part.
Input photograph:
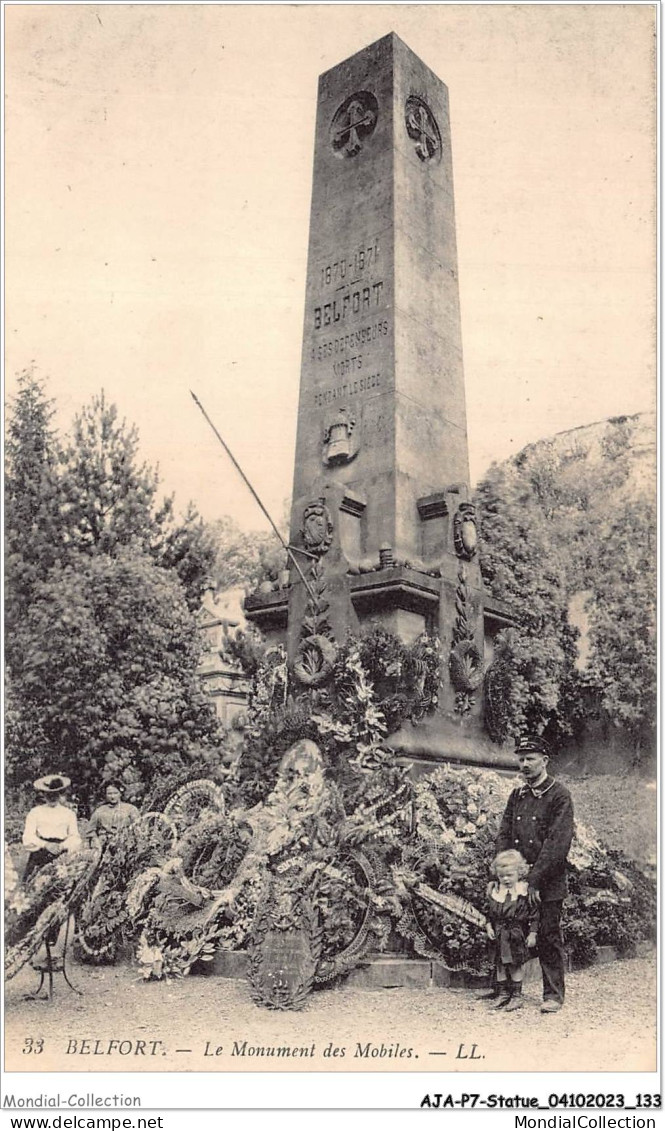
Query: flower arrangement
(51, 894)
(457, 814)
(611, 903)
(268, 689)
(166, 958)
(356, 723)
(333, 841)
(405, 678)
(372, 685)
(26, 903)
(105, 922)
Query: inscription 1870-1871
(350, 303)
(347, 269)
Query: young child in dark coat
(512, 927)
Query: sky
(158, 178)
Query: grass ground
(622, 809)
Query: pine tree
(110, 499)
(32, 520)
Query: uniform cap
(533, 744)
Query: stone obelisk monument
(381, 510)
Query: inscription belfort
(352, 303)
(350, 306)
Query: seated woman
(50, 827)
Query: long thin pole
(254, 494)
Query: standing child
(512, 927)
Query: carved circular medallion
(422, 128)
(354, 121)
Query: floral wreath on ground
(50, 895)
(376, 851)
(455, 818)
(457, 815)
(105, 923)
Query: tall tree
(110, 499)
(190, 548)
(32, 499)
(573, 516)
(622, 613)
(245, 557)
(530, 686)
(102, 581)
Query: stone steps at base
(393, 972)
(389, 973)
(229, 964)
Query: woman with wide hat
(50, 827)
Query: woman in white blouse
(50, 827)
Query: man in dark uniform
(538, 822)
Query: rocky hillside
(568, 535)
(586, 477)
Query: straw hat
(52, 783)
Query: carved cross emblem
(355, 120)
(422, 128)
(356, 116)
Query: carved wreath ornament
(466, 666)
(317, 650)
(315, 660)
